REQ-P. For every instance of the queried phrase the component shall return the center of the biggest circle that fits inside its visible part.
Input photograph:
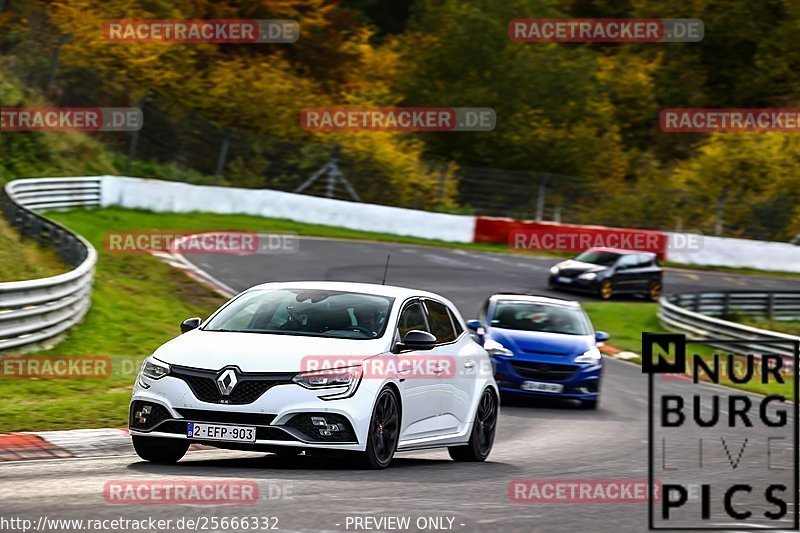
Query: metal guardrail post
(770, 305)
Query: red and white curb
(178, 261)
(72, 443)
(616, 353)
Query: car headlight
(588, 276)
(554, 270)
(591, 356)
(348, 377)
(154, 369)
(495, 348)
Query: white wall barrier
(737, 253)
(167, 196)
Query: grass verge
(25, 259)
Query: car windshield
(598, 258)
(532, 316)
(317, 313)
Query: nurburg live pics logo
(726, 459)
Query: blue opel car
(541, 346)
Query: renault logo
(227, 381)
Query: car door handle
(469, 364)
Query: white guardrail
(692, 314)
(35, 311)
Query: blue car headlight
(590, 356)
(495, 348)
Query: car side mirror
(190, 323)
(475, 325)
(417, 340)
(601, 336)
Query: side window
(412, 317)
(441, 325)
(628, 261)
(456, 325)
(645, 260)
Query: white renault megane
(313, 366)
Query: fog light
(141, 416)
(318, 421)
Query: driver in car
(369, 318)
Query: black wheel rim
(385, 427)
(485, 422)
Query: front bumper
(281, 415)
(576, 284)
(582, 383)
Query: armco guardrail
(692, 314)
(37, 310)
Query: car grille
(546, 371)
(225, 417)
(249, 388)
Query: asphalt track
(464, 276)
(536, 439)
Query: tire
(483, 429)
(159, 450)
(589, 404)
(384, 432)
(606, 290)
(654, 291)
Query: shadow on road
(309, 467)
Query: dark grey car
(609, 271)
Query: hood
(257, 352)
(536, 342)
(580, 266)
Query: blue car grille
(546, 371)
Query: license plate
(539, 386)
(562, 279)
(197, 430)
